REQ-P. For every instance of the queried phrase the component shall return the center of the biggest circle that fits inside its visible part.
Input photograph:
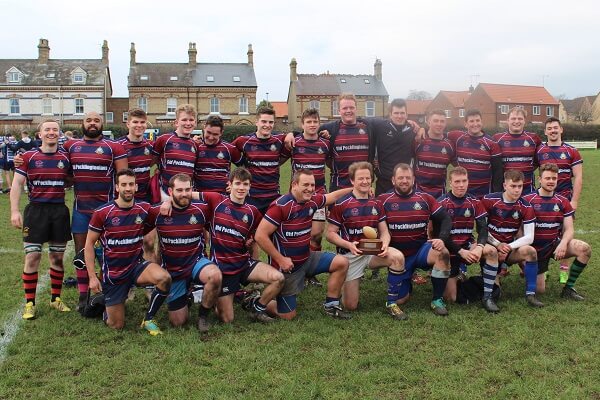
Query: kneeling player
(284, 234)
(554, 232)
(507, 213)
(465, 210)
(120, 226)
(181, 240)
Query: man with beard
(45, 171)
(181, 240)
(120, 226)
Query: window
(461, 113)
(79, 106)
(171, 105)
(125, 115)
(214, 105)
(370, 109)
(537, 110)
(143, 103)
(78, 77)
(236, 79)
(15, 107)
(549, 111)
(522, 107)
(314, 104)
(143, 77)
(243, 105)
(367, 81)
(51, 75)
(110, 117)
(335, 108)
(210, 78)
(342, 80)
(504, 109)
(47, 106)
(14, 77)
(173, 78)
(448, 113)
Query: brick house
(453, 104)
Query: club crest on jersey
(354, 212)
(245, 219)
(220, 156)
(301, 150)
(395, 206)
(426, 147)
(526, 144)
(39, 163)
(467, 213)
(227, 210)
(444, 151)
(193, 220)
(417, 206)
(115, 221)
(374, 211)
(138, 220)
(168, 221)
(273, 148)
(555, 208)
(515, 215)
(60, 165)
(482, 148)
(563, 156)
(506, 143)
(99, 150)
(146, 152)
(175, 145)
(546, 156)
(361, 131)
(320, 150)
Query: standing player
(181, 241)
(215, 157)
(433, 155)
(408, 214)
(554, 231)
(9, 156)
(466, 211)
(479, 155)
(347, 218)
(284, 234)
(120, 227)
(508, 212)
(45, 171)
(263, 152)
(519, 147)
(177, 152)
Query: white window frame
(143, 103)
(504, 109)
(171, 105)
(461, 113)
(78, 77)
(369, 108)
(236, 78)
(537, 110)
(47, 106)
(14, 106)
(549, 111)
(14, 77)
(143, 77)
(215, 105)
(79, 103)
(316, 104)
(335, 108)
(210, 78)
(243, 105)
(110, 117)
(448, 113)
(125, 116)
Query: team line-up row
(419, 224)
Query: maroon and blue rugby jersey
(294, 222)
(432, 159)
(463, 211)
(550, 212)
(407, 218)
(139, 159)
(311, 155)
(214, 164)
(46, 174)
(351, 144)
(350, 215)
(262, 158)
(122, 236)
(181, 236)
(93, 164)
(505, 219)
(176, 155)
(475, 153)
(565, 157)
(231, 226)
(518, 152)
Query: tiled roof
(517, 94)
(203, 75)
(417, 106)
(457, 98)
(335, 84)
(281, 108)
(56, 72)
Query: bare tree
(584, 115)
(414, 94)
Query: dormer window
(367, 81)
(78, 77)
(143, 77)
(14, 77)
(51, 75)
(342, 80)
(236, 79)
(210, 78)
(173, 78)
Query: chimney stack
(293, 74)
(192, 52)
(378, 73)
(250, 56)
(43, 51)
(105, 52)
(132, 55)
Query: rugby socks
(530, 270)
(394, 281)
(30, 281)
(56, 280)
(331, 301)
(258, 306)
(576, 269)
(439, 279)
(156, 299)
(489, 273)
(83, 281)
(203, 311)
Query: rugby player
(346, 220)
(120, 226)
(45, 171)
(554, 231)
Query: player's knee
(226, 317)
(213, 276)
(340, 264)
(115, 324)
(586, 250)
(350, 304)
(404, 299)
(530, 253)
(490, 252)
(288, 316)
(163, 280)
(178, 320)
(444, 257)
(316, 238)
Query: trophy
(370, 245)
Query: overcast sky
(424, 45)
